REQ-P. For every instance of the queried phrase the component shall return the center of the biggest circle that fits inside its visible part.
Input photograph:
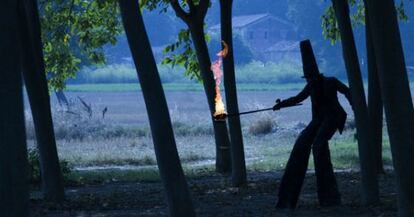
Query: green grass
(344, 154)
(147, 175)
(129, 87)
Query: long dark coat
(324, 100)
(327, 117)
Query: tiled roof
(245, 20)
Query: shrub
(259, 72)
(261, 126)
(125, 73)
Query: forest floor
(213, 196)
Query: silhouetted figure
(327, 117)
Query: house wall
(263, 34)
(277, 56)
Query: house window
(250, 35)
(265, 35)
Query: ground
(213, 196)
(115, 173)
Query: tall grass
(276, 73)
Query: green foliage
(357, 13)
(329, 25)
(182, 54)
(34, 166)
(273, 73)
(74, 32)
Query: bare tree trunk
(35, 79)
(369, 179)
(223, 160)
(396, 96)
(14, 186)
(374, 99)
(175, 184)
(236, 137)
(195, 22)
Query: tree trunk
(36, 84)
(369, 179)
(14, 186)
(396, 96)
(223, 160)
(374, 99)
(172, 176)
(236, 136)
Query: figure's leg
(296, 167)
(328, 193)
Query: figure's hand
(277, 105)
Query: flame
(218, 73)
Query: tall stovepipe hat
(310, 67)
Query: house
(261, 32)
(283, 50)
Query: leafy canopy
(73, 33)
(357, 12)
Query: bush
(258, 72)
(125, 73)
(284, 71)
(34, 167)
(261, 126)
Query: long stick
(259, 110)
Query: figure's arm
(294, 100)
(342, 88)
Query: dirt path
(213, 197)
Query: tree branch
(203, 7)
(191, 6)
(179, 11)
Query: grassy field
(121, 145)
(128, 87)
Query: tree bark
(14, 186)
(374, 99)
(37, 89)
(236, 137)
(223, 160)
(172, 176)
(396, 96)
(369, 179)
